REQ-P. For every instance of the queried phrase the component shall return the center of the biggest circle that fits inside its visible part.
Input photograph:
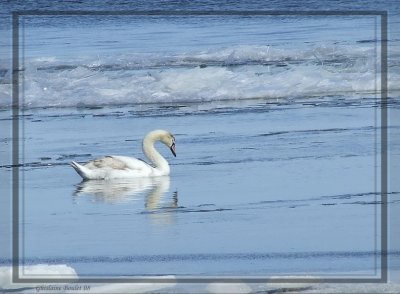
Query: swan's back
(106, 162)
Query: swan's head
(169, 140)
(164, 136)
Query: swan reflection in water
(113, 191)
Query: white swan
(113, 167)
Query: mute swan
(113, 167)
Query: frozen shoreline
(173, 287)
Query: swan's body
(113, 167)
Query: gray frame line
(15, 146)
(384, 147)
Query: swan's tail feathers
(84, 172)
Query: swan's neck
(154, 156)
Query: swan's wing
(133, 163)
(118, 162)
(105, 162)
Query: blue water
(277, 122)
(251, 192)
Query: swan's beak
(172, 148)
